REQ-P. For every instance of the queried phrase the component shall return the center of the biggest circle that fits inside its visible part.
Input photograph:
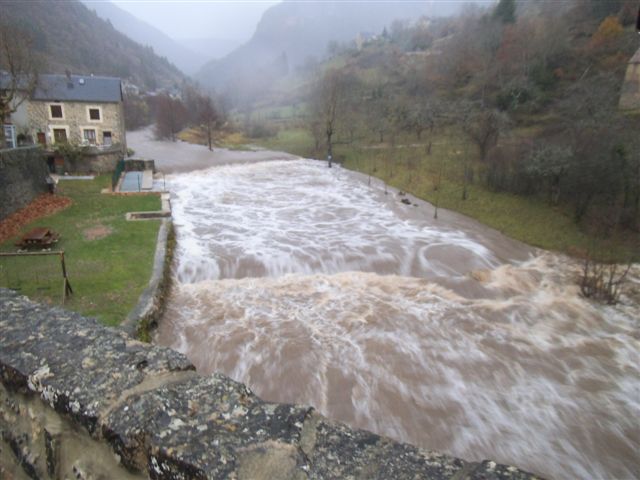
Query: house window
(9, 136)
(94, 114)
(89, 135)
(106, 139)
(56, 111)
(60, 135)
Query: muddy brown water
(311, 286)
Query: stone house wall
(94, 160)
(76, 119)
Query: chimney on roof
(69, 81)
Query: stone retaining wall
(139, 165)
(80, 400)
(95, 160)
(22, 177)
(145, 315)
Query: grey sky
(200, 18)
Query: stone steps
(147, 180)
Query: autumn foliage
(43, 206)
(607, 35)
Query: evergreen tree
(505, 11)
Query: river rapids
(312, 286)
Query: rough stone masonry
(23, 174)
(81, 400)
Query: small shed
(630, 94)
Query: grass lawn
(408, 167)
(108, 259)
(221, 139)
(296, 141)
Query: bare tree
(208, 116)
(379, 112)
(315, 126)
(484, 128)
(171, 117)
(21, 78)
(603, 281)
(136, 112)
(329, 96)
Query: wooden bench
(40, 237)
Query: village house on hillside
(82, 110)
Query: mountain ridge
(186, 59)
(67, 36)
(300, 31)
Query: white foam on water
(275, 218)
(308, 286)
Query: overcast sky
(200, 18)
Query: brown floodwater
(311, 286)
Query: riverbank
(437, 179)
(108, 259)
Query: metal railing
(116, 174)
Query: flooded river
(313, 287)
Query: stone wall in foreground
(80, 400)
(23, 173)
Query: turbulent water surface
(313, 287)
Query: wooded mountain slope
(291, 33)
(68, 36)
(182, 57)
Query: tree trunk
(2, 139)
(483, 152)
(584, 201)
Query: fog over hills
(292, 32)
(68, 36)
(210, 48)
(186, 59)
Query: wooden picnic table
(39, 237)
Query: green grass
(107, 274)
(221, 139)
(407, 167)
(296, 141)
